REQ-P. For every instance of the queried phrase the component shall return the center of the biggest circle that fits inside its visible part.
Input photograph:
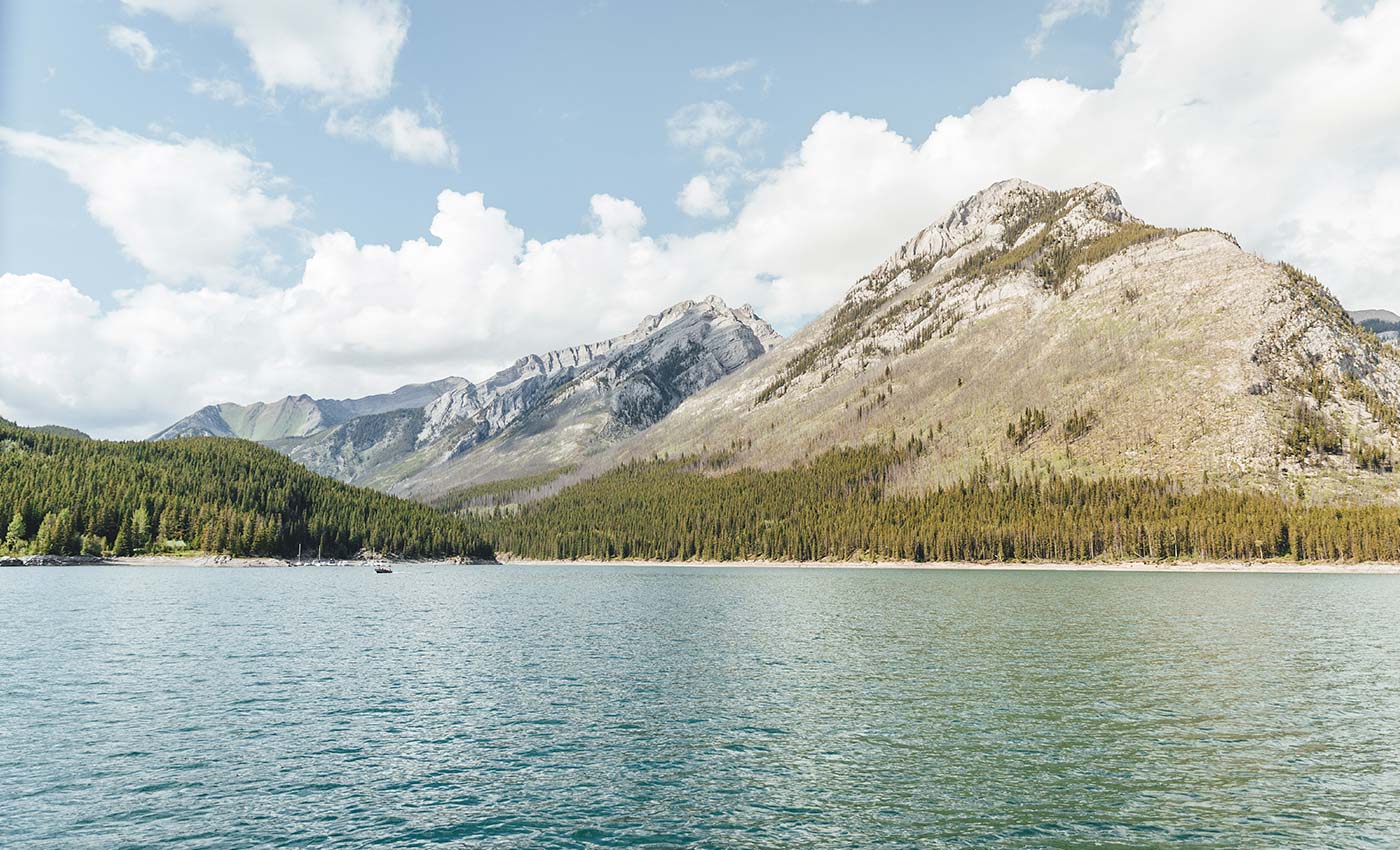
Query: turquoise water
(669, 707)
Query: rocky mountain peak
(508, 394)
(1000, 216)
(710, 308)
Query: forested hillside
(840, 507)
(65, 495)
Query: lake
(537, 707)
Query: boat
(382, 569)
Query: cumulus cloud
(185, 209)
(704, 196)
(1057, 12)
(726, 141)
(133, 43)
(362, 317)
(341, 50)
(1226, 115)
(401, 132)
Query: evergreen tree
(65, 534)
(121, 547)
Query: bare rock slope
(1054, 331)
(545, 411)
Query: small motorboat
(382, 569)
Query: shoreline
(1260, 567)
(213, 561)
(1320, 568)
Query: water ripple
(534, 707)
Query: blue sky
(235, 200)
(547, 102)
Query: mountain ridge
(1127, 349)
(298, 415)
(407, 441)
(550, 410)
(1028, 328)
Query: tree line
(62, 495)
(839, 507)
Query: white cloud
(400, 131)
(711, 124)
(704, 196)
(228, 91)
(361, 317)
(133, 43)
(1057, 12)
(185, 209)
(725, 140)
(723, 72)
(341, 50)
(1229, 115)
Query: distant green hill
(62, 431)
(60, 495)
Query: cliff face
(545, 410)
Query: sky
(236, 200)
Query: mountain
(62, 431)
(1033, 329)
(299, 416)
(61, 494)
(1382, 323)
(1361, 317)
(545, 411)
(542, 414)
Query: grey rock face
(512, 392)
(208, 421)
(300, 416)
(545, 410)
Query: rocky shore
(1087, 566)
(214, 561)
(51, 561)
